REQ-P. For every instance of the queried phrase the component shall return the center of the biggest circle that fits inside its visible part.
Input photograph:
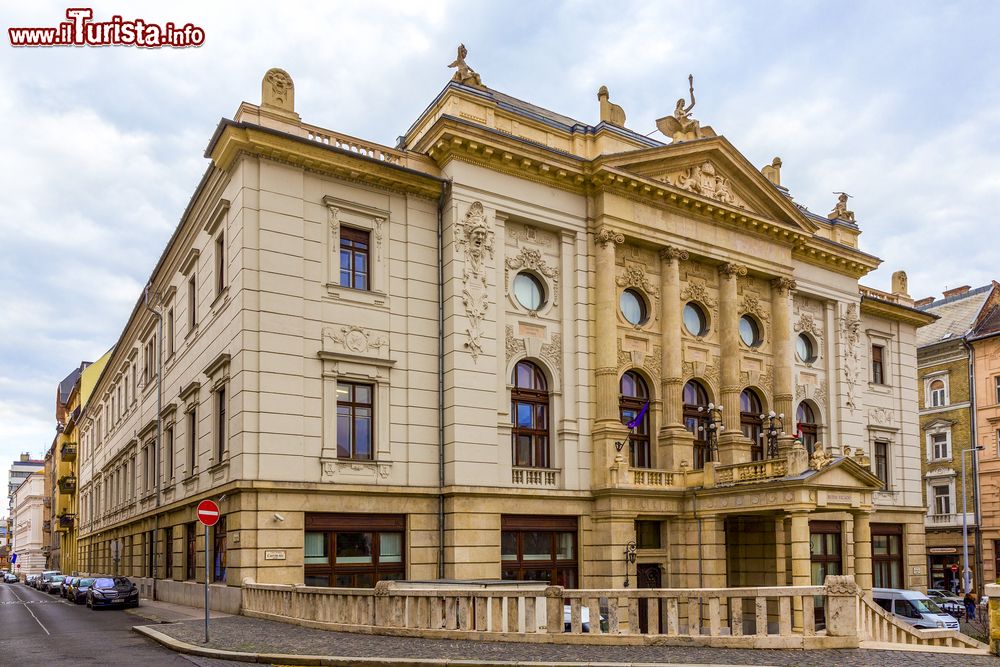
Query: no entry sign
(208, 512)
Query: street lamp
(629, 558)
(714, 413)
(966, 572)
(774, 425)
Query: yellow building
(416, 362)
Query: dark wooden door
(649, 576)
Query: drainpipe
(445, 189)
(149, 298)
(978, 535)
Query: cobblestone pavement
(239, 633)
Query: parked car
(66, 586)
(915, 608)
(111, 591)
(10, 577)
(63, 585)
(77, 591)
(50, 582)
(42, 582)
(30, 580)
(950, 603)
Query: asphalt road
(41, 629)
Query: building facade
(416, 362)
(64, 488)
(19, 471)
(28, 519)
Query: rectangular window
(942, 499)
(998, 442)
(354, 258)
(192, 440)
(219, 550)
(355, 405)
(887, 555)
(996, 381)
(168, 452)
(191, 551)
(192, 302)
(220, 264)
(882, 462)
(125, 385)
(145, 468)
(939, 446)
(647, 534)
(540, 549)
(354, 550)
(134, 386)
(150, 553)
(878, 375)
(168, 552)
(170, 332)
(220, 426)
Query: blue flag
(632, 425)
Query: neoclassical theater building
(419, 361)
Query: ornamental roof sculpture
(840, 211)
(681, 126)
(463, 73)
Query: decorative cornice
(189, 261)
(217, 215)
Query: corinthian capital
(606, 235)
(783, 285)
(670, 253)
(732, 270)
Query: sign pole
(208, 565)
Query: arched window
(529, 412)
(751, 424)
(634, 395)
(937, 393)
(696, 421)
(806, 423)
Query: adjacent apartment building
(30, 535)
(418, 362)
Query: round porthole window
(528, 291)
(804, 349)
(694, 319)
(750, 331)
(633, 307)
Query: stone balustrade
(348, 143)
(749, 473)
(831, 616)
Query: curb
(354, 661)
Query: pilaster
(781, 313)
(675, 443)
(733, 447)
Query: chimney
(956, 291)
(926, 301)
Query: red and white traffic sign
(208, 512)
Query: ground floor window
(825, 552)
(191, 551)
(354, 550)
(945, 571)
(219, 550)
(168, 553)
(887, 555)
(539, 549)
(150, 551)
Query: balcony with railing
(949, 520)
(67, 484)
(66, 521)
(68, 451)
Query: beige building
(415, 362)
(30, 535)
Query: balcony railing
(67, 484)
(536, 477)
(69, 451)
(66, 521)
(748, 473)
(949, 520)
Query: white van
(915, 608)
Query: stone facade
(452, 407)
(30, 537)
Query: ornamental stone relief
(652, 363)
(705, 180)
(850, 331)
(529, 234)
(474, 241)
(634, 275)
(881, 415)
(514, 345)
(355, 339)
(751, 304)
(531, 259)
(552, 352)
(807, 323)
(697, 291)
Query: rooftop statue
(840, 211)
(681, 126)
(610, 112)
(465, 74)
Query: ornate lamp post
(714, 428)
(629, 558)
(773, 427)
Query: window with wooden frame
(191, 551)
(220, 424)
(220, 264)
(355, 257)
(539, 548)
(808, 429)
(192, 301)
(751, 424)
(996, 394)
(887, 555)
(170, 332)
(695, 400)
(354, 550)
(938, 393)
(878, 364)
(168, 552)
(529, 412)
(192, 439)
(355, 411)
(634, 397)
(168, 451)
(882, 462)
(219, 550)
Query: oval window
(804, 349)
(528, 291)
(694, 319)
(749, 331)
(633, 307)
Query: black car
(111, 591)
(77, 591)
(67, 584)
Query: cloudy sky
(100, 148)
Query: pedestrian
(970, 606)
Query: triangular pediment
(714, 170)
(846, 473)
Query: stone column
(675, 443)
(607, 326)
(801, 561)
(863, 550)
(781, 315)
(732, 444)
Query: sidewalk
(165, 612)
(261, 640)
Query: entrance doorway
(826, 558)
(649, 575)
(946, 572)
